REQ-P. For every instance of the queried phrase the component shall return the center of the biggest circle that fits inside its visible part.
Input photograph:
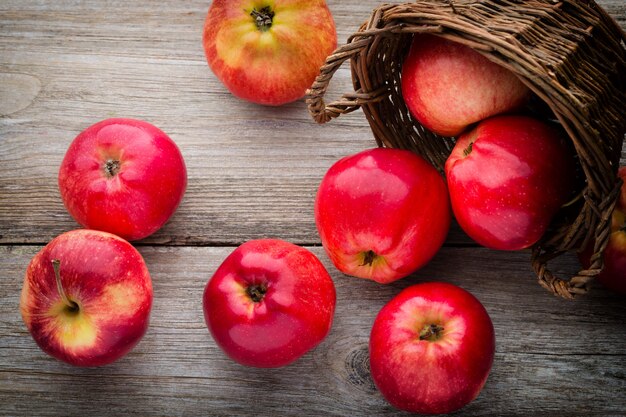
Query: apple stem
(256, 292)
(111, 167)
(71, 305)
(431, 332)
(263, 18)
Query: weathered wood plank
(253, 171)
(552, 356)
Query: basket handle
(349, 102)
(579, 284)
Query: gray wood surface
(253, 172)
(552, 356)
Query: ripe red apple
(613, 275)
(268, 52)
(269, 303)
(431, 348)
(122, 176)
(382, 213)
(447, 86)
(86, 298)
(507, 178)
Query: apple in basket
(268, 52)
(124, 177)
(508, 177)
(382, 213)
(613, 275)
(87, 297)
(448, 86)
(431, 348)
(269, 303)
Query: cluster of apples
(384, 213)
(87, 294)
(508, 175)
(381, 215)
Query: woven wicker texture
(571, 54)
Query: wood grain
(253, 172)
(552, 356)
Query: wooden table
(253, 172)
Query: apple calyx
(111, 167)
(468, 150)
(71, 306)
(369, 257)
(256, 292)
(431, 332)
(263, 18)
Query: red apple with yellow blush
(87, 297)
(448, 86)
(268, 51)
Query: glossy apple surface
(507, 179)
(269, 303)
(613, 275)
(101, 308)
(382, 213)
(431, 348)
(122, 176)
(268, 52)
(448, 86)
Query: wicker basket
(571, 54)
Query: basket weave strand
(571, 54)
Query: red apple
(613, 275)
(268, 52)
(269, 303)
(507, 178)
(86, 298)
(431, 348)
(122, 176)
(382, 213)
(447, 86)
